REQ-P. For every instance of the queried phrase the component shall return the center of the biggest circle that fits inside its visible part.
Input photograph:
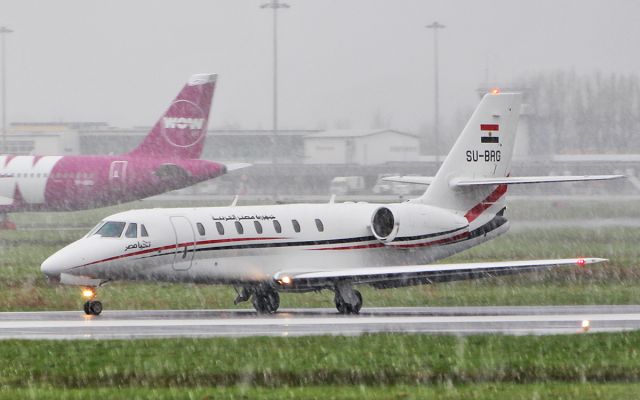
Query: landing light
(88, 293)
(495, 91)
(586, 325)
(285, 280)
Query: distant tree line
(571, 113)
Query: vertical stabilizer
(483, 150)
(181, 131)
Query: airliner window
(239, 227)
(296, 225)
(319, 225)
(258, 226)
(276, 226)
(143, 231)
(111, 229)
(132, 231)
(200, 228)
(220, 228)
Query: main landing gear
(91, 306)
(347, 299)
(265, 299)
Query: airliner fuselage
(59, 183)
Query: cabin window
(111, 229)
(239, 228)
(200, 227)
(276, 226)
(258, 226)
(319, 225)
(220, 228)
(132, 231)
(143, 231)
(296, 225)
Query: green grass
(552, 390)
(380, 360)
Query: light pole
(275, 5)
(3, 32)
(436, 123)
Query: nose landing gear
(91, 306)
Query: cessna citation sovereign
(264, 250)
(167, 159)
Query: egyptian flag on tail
(489, 133)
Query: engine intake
(384, 225)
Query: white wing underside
(516, 180)
(414, 274)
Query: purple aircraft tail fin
(181, 131)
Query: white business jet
(264, 250)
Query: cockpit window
(95, 228)
(132, 231)
(143, 231)
(111, 229)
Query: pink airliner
(167, 159)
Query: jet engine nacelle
(403, 223)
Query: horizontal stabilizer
(418, 180)
(512, 180)
(420, 274)
(517, 180)
(235, 166)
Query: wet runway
(300, 322)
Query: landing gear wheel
(266, 302)
(93, 307)
(345, 308)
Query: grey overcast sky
(341, 60)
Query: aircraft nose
(52, 266)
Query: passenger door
(185, 243)
(118, 175)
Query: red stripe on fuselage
(401, 246)
(486, 203)
(174, 246)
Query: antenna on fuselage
(332, 199)
(235, 201)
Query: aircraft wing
(418, 180)
(516, 180)
(234, 166)
(396, 276)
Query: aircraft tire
(346, 308)
(266, 302)
(93, 307)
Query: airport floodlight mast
(436, 123)
(3, 32)
(275, 5)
